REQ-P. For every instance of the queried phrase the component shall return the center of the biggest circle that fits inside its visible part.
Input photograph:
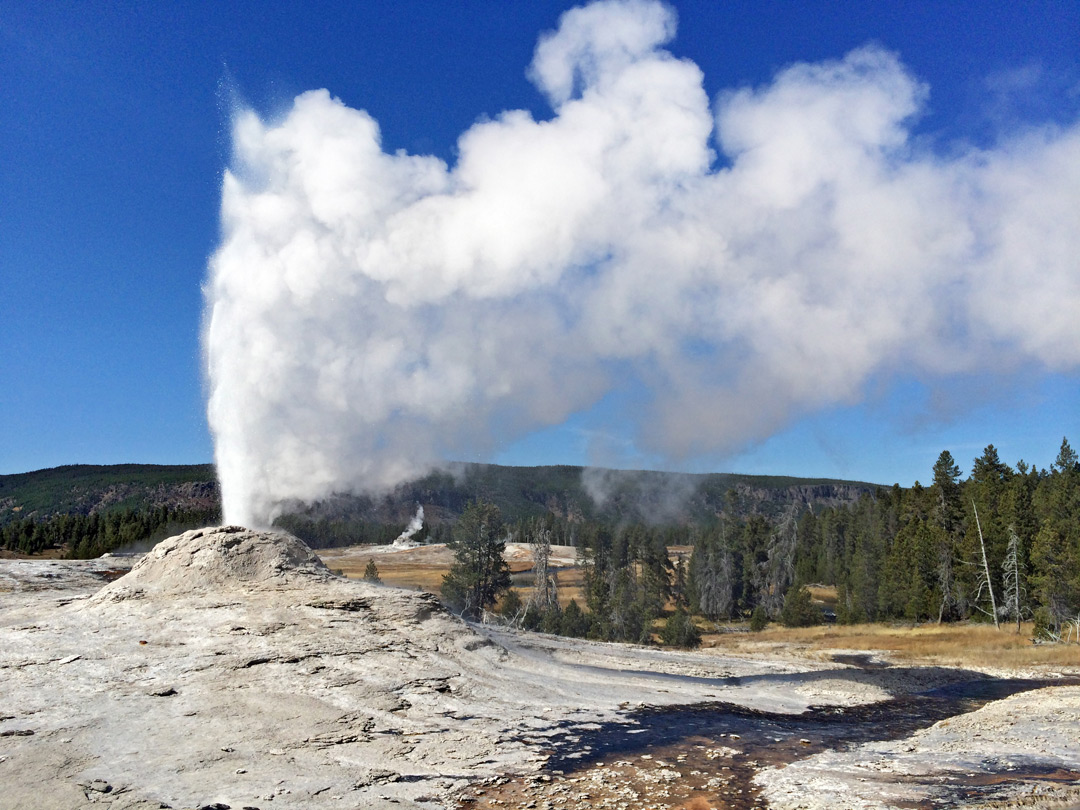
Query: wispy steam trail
(369, 313)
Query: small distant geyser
(404, 540)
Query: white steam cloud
(369, 314)
(404, 540)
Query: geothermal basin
(232, 668)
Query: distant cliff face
(188, 496)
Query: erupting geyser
(404, 540)
(370, 313)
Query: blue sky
(116, 133)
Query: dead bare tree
(718, 581)
(984, 579)
(1072, 627)
(780, 562)
(1013, 578)
(545, 594)
(945, 578)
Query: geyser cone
(222, 558)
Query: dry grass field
(823, 595)
(957, 645)
(978, 645)
(423, 567)
(47, 554)
(420, 568)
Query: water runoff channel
(705, 755)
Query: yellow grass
(422, 568)
(823, 595)
(567, 591)
(47, 554)
(962, 644)
(417, 577)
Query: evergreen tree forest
(628, 582)
(87, 536)
(1002, 545)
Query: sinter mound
(218, 558)
(230, 667)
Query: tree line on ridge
(1001, 545)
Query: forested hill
(87, 510)
(84, 489)
(572, 494)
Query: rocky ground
(1026, 747)
(231, 668)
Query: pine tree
(1055, 551)
(479, 572)
(574, 621)
(626, 619)
(799, 610)
(594, 554)
(946, 489)
(511, 607)
(1067, 460)
(1054, 576)
(983, 545)
(948, 515)
(715, 576)
(779, 570)
(371, 572)
(680, 631)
